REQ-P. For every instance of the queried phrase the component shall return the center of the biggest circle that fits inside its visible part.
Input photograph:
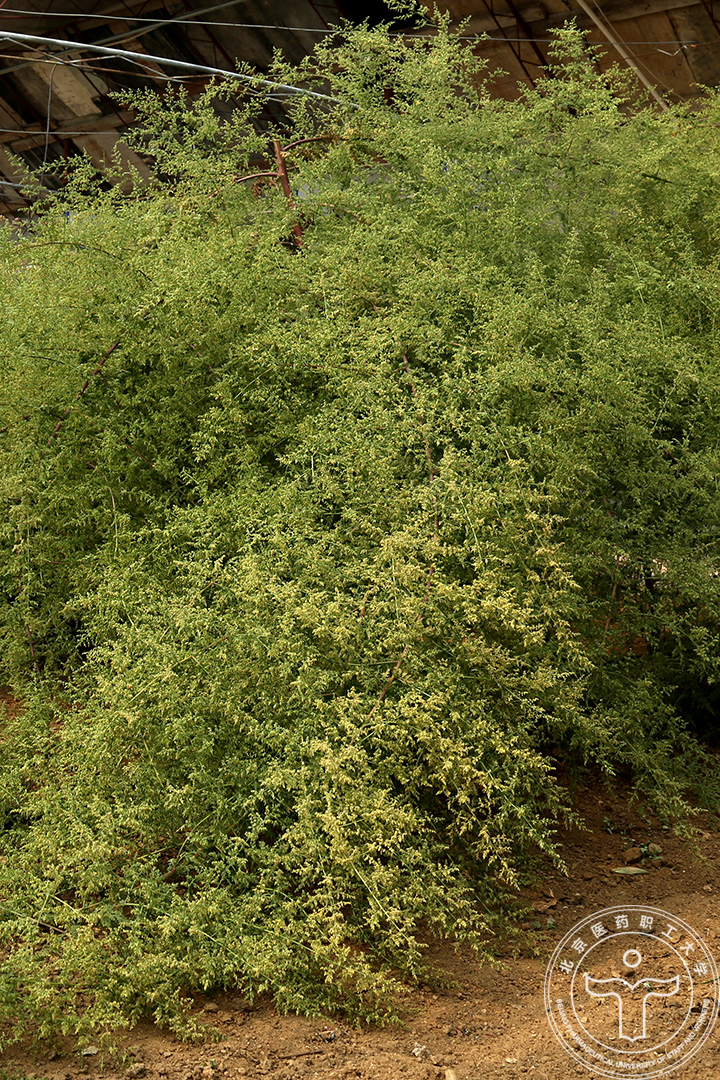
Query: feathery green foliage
(318, 557)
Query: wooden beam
(619, 11)
(535, 15)
(606, 30)
(486, 23)
(91, 124)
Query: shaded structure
(673, 45)
(56, 101)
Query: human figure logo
(631, 991)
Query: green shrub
(319, 556)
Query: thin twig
(208, 366)
(390, 681)
(301, 1053)
(301, 142)
(254, 176)
(80, 393)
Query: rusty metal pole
(285, 182)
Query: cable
(214, 22)
(35, 39)
(65, 134)
(123, 18)
(85, 65)
(152, 25)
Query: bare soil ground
(490, 1024)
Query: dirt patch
(490, 1024)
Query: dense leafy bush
(320, 552)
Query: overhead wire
(37, 39)
(138, 59)
(85, 65)
(142, 61)
(65, 134)
(191, 19)
(104, 16)
(547, 40)
(153, 25)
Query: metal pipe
(84, 46)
